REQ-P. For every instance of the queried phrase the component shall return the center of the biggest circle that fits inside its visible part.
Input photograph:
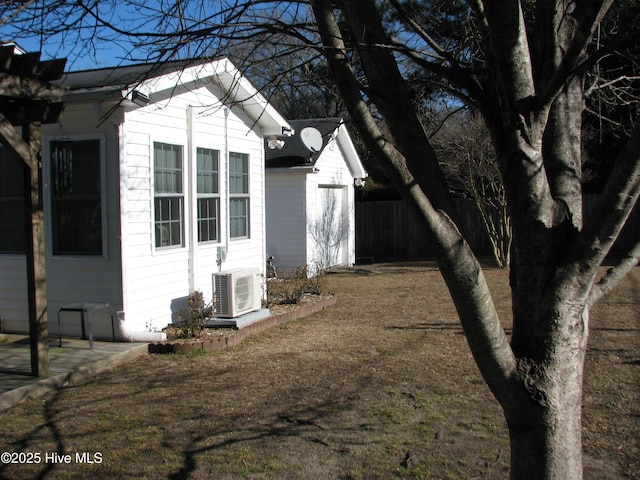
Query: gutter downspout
(223, 249)
(192, 200)
(263, 182)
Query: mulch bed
(214, 339)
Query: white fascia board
(196, 76)
(292, 170)
(350, 153)
(238, 92)
(243, 93)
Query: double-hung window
(239, 195)
(76, 198)
(168, 195)
(208, 189)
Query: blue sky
(87, 47)
(87, 44)
(105, 55)
(94, 47)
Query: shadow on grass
(429, 326)
(303, 424)
(185, 430)
(28, 443)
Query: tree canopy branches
(539, 72)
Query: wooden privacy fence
(390, 231)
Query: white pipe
(192, 207)
(223, 249)
(130, 334)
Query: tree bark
(545, 431)
(538, 377)
(546, 439)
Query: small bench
(85, 310)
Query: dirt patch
(379, 386)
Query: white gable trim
(237, 89)
(349, 152)
(237, 92)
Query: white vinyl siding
(286, 214)
(158, 280)
(311, 216)
(146, 285)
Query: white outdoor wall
(294, 205)
(332, 172)
(286, 214)
(146, 285)
(158, 281)
(70, 279)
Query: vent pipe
(131, 334)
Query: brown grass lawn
(379, 386)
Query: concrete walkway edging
(75, 376)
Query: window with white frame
(76, 198)
(168, 195)
(12, 208)
(238, 195)
(208, 190)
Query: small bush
(193, 319)
(291, 287)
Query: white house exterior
(310, 198)
(154, 180)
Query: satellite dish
(312, 139)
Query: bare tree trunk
(549, 445)
(538, 377)
(546, 433)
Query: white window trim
(219, 196)
(185, 200)
(236, 195)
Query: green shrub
(192, 320)
(291, 287)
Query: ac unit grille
(222, 299)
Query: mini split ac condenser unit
(236, 292)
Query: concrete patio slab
(70, 363)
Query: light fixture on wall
(288, 132)
(140, 98)
(275, 143)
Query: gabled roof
(146, 83)
(294, 153)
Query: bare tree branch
(479, 318)
(614, 275)
(586, 15)
(614, 206)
